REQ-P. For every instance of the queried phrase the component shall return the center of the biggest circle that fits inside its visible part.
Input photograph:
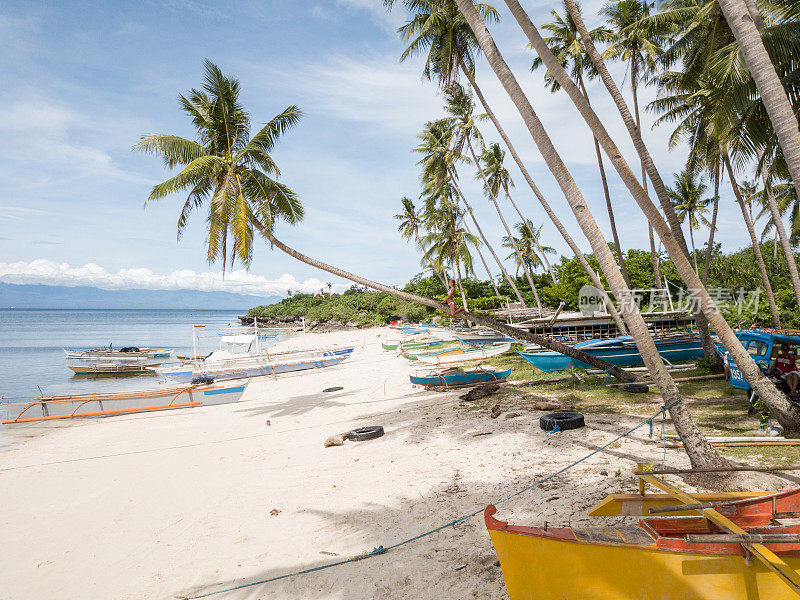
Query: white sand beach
(188, 502)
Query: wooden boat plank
(771, 560)
(639, 505)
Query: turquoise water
(31, 343)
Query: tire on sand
(365, 433)
(564, 420)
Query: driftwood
(479, 392)
(336, 440)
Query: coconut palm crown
(226, 168)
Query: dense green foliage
(728, 272)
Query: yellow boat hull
(537, 568)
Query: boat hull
(457, 355)
(459, 379)
(545, 567)
(626, 356)
(229, 370)
(98, 405)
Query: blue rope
(383, 550)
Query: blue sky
(83, 80)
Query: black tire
(564, 420)
(635, 388)
(333, 389)
(365, 433)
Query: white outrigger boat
(224, 365)
(23, 410)
(463, 354)
(126, 354)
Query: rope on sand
(378, 550)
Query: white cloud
(48, 272)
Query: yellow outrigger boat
(734, 547)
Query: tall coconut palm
(698, 449)
(438, 28)
(773, 95)
(785, 412)
(782, 235)
(449, 243)
(745, 204)
(687, 195)
(225, 167)
(409, 229)
(533, 253)
(272, 202)
(674, 226)
(499, 180)
(440, 191)
(438, 162)
(565, 43)
(641, 44)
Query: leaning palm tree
(698, 449)
(272, 202)
(499, 179)
(461, 109)
(640, 43)
(781, 408)
(225, 167)
(439, 28)
(745, 27)
(449, 242)
(533, 253)
(438, 166)
(686, 194)
(565, 43)
(409, 228)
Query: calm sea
(31, 343)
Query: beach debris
(561, 421)
(333, 389)
(635, 388)
(336, 440)
(268, 423)
(275, 512)
(482, 433)
(328, 553)
(479, 392)
(495, 411)
(365, 433)
(511, 415)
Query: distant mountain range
(52, 296)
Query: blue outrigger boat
(460, 377)
(620, 351)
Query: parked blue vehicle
(762, 345)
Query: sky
(82, 81)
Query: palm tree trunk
(535, 241)
(694, 252)
(430, 261)
(773, 308)
(653, 255)
(778, 222)
(483, 237)
(461, 286)
(716, 175)
(609, 208)
(769, 85)
(613, 370)
(612, 310)
(483, 260)
(775, 246)
(784, 411)
(697, 447)
(508, 231)
(674, 224)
